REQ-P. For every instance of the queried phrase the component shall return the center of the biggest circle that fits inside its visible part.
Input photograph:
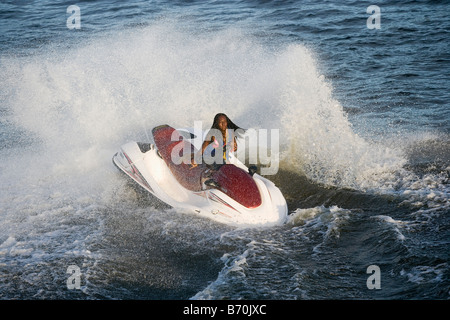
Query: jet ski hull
(235, 197)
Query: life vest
(227, 146)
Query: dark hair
(230, 124)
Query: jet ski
(229, 193)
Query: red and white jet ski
(227, 193)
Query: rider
(222, 133)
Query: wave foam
(83, 104)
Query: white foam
(84, 103)
(81, 105)
(425, 274)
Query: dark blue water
(364, 123)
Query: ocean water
(363, 115)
